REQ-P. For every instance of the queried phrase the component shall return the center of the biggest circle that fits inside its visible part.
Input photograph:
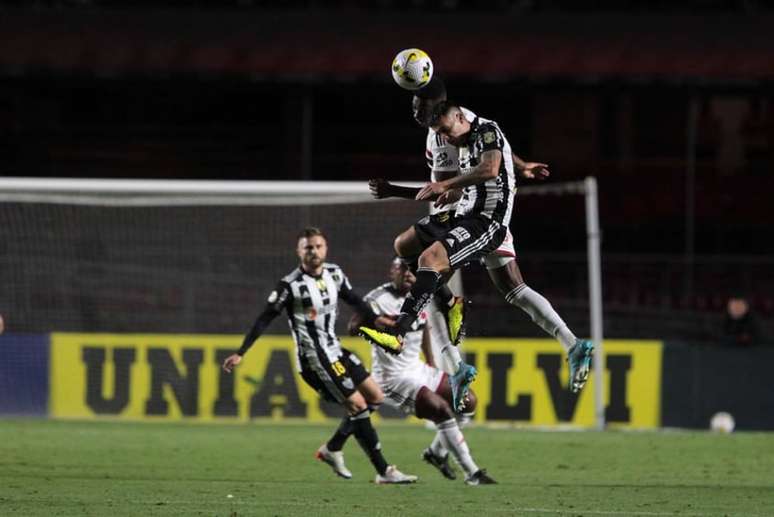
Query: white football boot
(335, 459)
(395, 477)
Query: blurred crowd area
(676, 124)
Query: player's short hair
(398, 261)
(435, 89)
(311, 231)
(442, 109)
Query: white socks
(437, 447)
(452, 354)
(451, 436)
(542, 313)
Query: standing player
(478, 228)
(309, 295)
(419, 388)
(503, 269)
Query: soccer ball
(722, 422)
(412, 69)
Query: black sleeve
(278, 299)
(356, 301)
(404, 192)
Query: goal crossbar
(132, 192)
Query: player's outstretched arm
(355, 322)
(278, 299)
(530, 170)
(488, 169)
(381, 189)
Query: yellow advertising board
(177, 376)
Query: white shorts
(502, 255)
(401, 391)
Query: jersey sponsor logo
(450, 242)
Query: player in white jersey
(443, 158)
(309, 296)
(417, 387)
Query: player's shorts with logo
(334, 381)
(401, 391)
(465, 238)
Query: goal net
(190, 257)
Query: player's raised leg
(506, 276)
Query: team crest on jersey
(347, 383)
(321, 285)
(489, 137)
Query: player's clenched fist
(231, 361)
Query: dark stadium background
(631, 92)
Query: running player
(420, 388)
(309, 295)
(443, 158)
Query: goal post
(588, 189)
(215, 222)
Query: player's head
(312, 247)
(401, 276)
(426, 98)
(449, 120)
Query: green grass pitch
(52, 468)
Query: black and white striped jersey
(494, 198)
(443, 157)
(311, 305)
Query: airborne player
(444, 160)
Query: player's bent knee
(471, 402)
(355, 404)
(376, 398)
(435, 258)
(444, 412)
(406, 244)
(432, 406)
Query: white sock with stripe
(454, 441)
(542, 313)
